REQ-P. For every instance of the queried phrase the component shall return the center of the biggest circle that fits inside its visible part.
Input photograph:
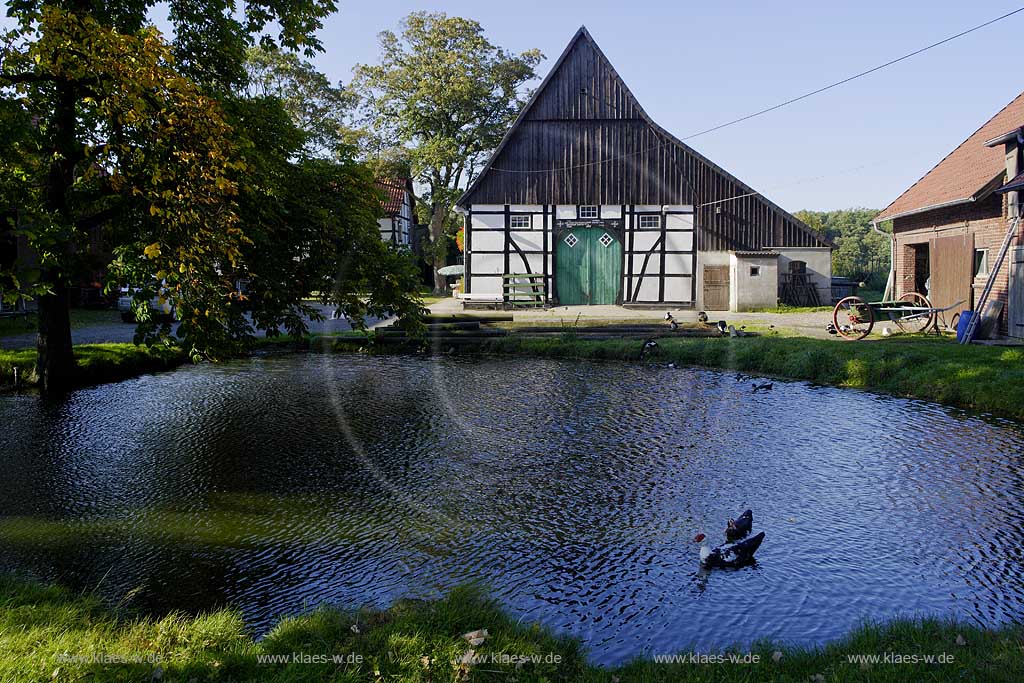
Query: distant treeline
(860, 253)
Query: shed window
(651, 221)
(588, 212)
(755, 271)
(520, 221)
(980, 262)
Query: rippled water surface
(572, 489)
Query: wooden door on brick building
(951, 271)
(1015, 312)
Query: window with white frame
(980, 262)
(520, 221)
(650, 221)
(588, 212)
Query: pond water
(571, 489)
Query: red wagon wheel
(853, 318)
(920, 322)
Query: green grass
(426, 295)
(985, 378)
(80, 317)
(786, 308)
(870, 295)
(50, 634)
(96, 362)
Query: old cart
(854, 318)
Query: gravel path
(807, 324)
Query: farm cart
(854, 318)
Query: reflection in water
(572, 489)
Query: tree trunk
(440, 247)
(55, 364)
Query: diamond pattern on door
(606, 240)
(571, 240)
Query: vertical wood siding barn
(587, 191)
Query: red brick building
(948, 227)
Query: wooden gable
(583, 138)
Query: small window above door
(588, 212)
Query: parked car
(159, 311)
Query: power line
(855, 76)
(778, 106)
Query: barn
(949, 226)
(600, 205)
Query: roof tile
(965, 172)
(394, 191)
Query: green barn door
(589, 267)
(605, 267)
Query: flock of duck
(648, 346)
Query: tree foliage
(445, 95)
(192, 187)
(860, 253)
(316, 106)
(141, 150)
(311, 225)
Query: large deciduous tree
(317, 107)
(446, 94)
(123, 132)
(311, 227)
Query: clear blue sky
(693, 65)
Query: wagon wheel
(853, 318)
(920, 322)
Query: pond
(572, 489)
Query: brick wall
(986, 220)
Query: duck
(722, 326)
(740, 527)
(766, 386)
(647, 347)
(729, 555)
(673, 325)
(702, 317)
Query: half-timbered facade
(399, 205)
(587, 191)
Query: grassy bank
(96, 363)
(985, 378)
(50, 634)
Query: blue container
(961, 325)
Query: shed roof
(1014, 185)
(968, 173)
(758, 253)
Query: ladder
(979, 309)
